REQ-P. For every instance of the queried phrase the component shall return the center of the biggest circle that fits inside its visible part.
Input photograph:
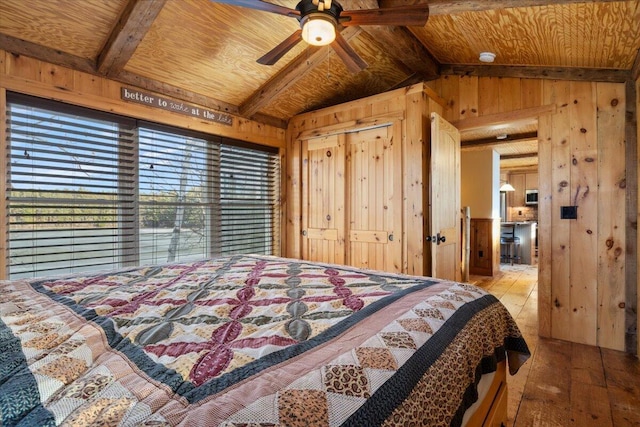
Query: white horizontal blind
(249, 199)
(89, 191)
(70, 191)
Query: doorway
(517, 147)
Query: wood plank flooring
(562, 384)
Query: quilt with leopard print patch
(247, 341)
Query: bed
(253, 341)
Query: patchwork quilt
(247, 341)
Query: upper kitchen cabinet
(531, 181)
(521, 182)
(518, 181)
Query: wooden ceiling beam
(518, 156)
(400, 44)
(133, 24)
(451, 7)
(484, 143)
(289, 75)
(53, 56)
(555, 73)
(635, 69)
(409, 81)
(520, 167)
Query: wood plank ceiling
(205, 52)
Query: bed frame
(492, 410)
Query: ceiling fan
(320, 21)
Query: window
(176, 186)
(91, 191)
(70, 193)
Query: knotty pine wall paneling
(583, 169)
(544, 224)
(584, 285)
(613, 188)
(560, 238)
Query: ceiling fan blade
(279, 51)
(261, 5)
(349, 56)
(407, 16)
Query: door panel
(444, 203)
(323, 209)
(374, 170)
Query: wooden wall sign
(152, 100)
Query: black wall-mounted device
(568, 212)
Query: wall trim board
(547, 73)
(632, 320)
(351, 126)
(3, 188)
(525, 115)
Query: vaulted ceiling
(205, 52)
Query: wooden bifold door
(352, 202)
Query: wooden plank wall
(582, 272)
(637, 120)
(32, 77)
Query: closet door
(374, 198)
(323, 200)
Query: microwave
(531, 197)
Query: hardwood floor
(562, 384)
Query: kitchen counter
(526, 231)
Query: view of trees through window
(93, 191)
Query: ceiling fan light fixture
(318, 29)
